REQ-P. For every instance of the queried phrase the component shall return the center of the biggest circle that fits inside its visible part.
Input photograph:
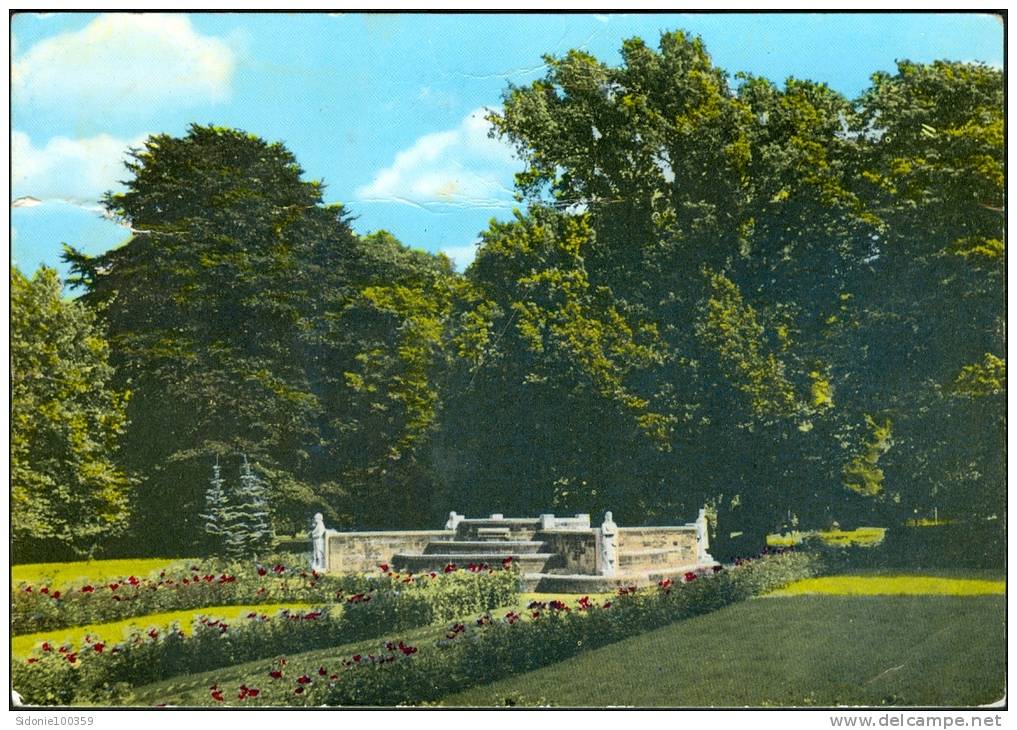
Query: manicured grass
(60, 575)
(114, 631)
(892, 585)
(791, 651)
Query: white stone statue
(318, 543)
(454, 520)
(608, 546)
(703, 539)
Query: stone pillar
(608, 546)
(703, 556)
(497, 516)
(546, 522)
(319, 560)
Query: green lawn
(791, 651)
(60, 575)
(114, 631)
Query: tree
(216, 509)
(248, 531)
(68, 496)
(228, 313)
(545, 404)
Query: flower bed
(40, 607)
(99, 673)
(486, 649)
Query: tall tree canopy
(68, 495)
(222, 312)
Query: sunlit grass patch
(60, 575)
(893, 585)
(860, 537)
(114, 631)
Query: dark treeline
(779, 302)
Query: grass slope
(792, 651)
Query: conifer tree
(216, 509)
(249, 526)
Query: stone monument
(608, 546)
(453, 520)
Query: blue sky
(386, 109)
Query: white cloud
(462, 256)
(457, 167)
(78, 171)
(122, 59)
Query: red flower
(46, 646)
(114, 586)
(28, 589)
(98, 646)
(450, 568)
(253, 692)
(216, 693)
(252, 614)
(154, 633)
(607, 604)
(298, 691)
(32, 660)
(356, 657)
(558, 605)
(689, 577)
(321, 671)
(133, 581)
(584, 603)
(333, 677)
(535, 614)
(87, 589)
(56, 595)
(433, 574)
(262, 570)
(280, 569)
(44, 589)
(275, 674)
(665, 584)
(407, 650)
(506, 563)
(303, 679)
(72, 657)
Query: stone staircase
(489, 541)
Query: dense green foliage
(68, 495)
(770, 299)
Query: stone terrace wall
(363, 552)
(579, 549)
(656, 548)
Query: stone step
(488, 547)
(526, 562)
(554, 583)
